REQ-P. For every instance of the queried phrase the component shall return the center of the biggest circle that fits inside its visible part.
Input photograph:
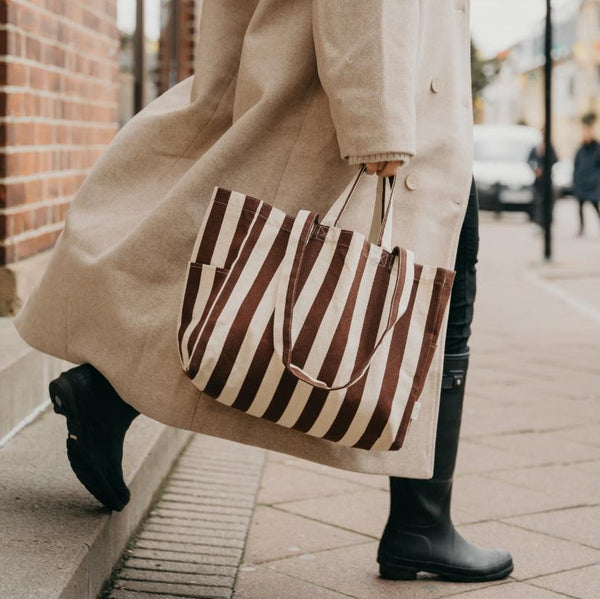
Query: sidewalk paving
(528, 474)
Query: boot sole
(409, 572)
(79, 451)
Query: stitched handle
(336, 210)
(286, 297)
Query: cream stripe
(327, 326)
(250, 343)
(229, 312)
(230, 221)
(207, 278)
(409, 365)
(335, 400)
(374, 381)
(315, 278)
(264, 394)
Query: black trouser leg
(581, 221)
(464, 289)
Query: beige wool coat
(287, 95)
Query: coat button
(411, 182)
(436, 85)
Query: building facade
(517, 94)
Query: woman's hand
(383, 169)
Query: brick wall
(188, 11)
(58, 110)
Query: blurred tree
(483, 71)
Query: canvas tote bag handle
(336, 210)
(286, 297)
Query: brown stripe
(256, 371)
(442, 287)
(312, 322)
(383, 408)
(368, 337)
(354, 394)
(189, 298)
(244, 315)
(262, 356)
(335, 352)
(243, 224)
(373, 314)
(213, 226)
(234, 275)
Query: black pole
(547, 175)
(139, 58)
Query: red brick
(17, 74)
(44, 133)
(12, 194)
(33, 48)
(20, 134)
(34, 190)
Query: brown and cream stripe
(236, 328)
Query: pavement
(528, 473)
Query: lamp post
(139, 58)
(547, 174)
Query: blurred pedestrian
(536, 162)
(586, 172)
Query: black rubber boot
(419, 535)
(97, 420)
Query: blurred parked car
(562, 177)
(504, 178)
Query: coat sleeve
(366, 54)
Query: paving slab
(257, 582)
(565, 484)
(282, 482)
(512, 590)
(581, 582)
(479, 498)
(379, 481)
(364, 512)
(543, 448)
(580, 524)
(274, 534)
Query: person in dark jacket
(586, 172)
(536, 162)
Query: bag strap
(286, 298)
(336, 210)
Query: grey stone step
(24, 377)
(57, 541)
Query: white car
(503, 176)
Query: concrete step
(57, 541)
(24, 377)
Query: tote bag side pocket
(202, 285)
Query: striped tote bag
(309, 325)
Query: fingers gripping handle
(337, 209)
